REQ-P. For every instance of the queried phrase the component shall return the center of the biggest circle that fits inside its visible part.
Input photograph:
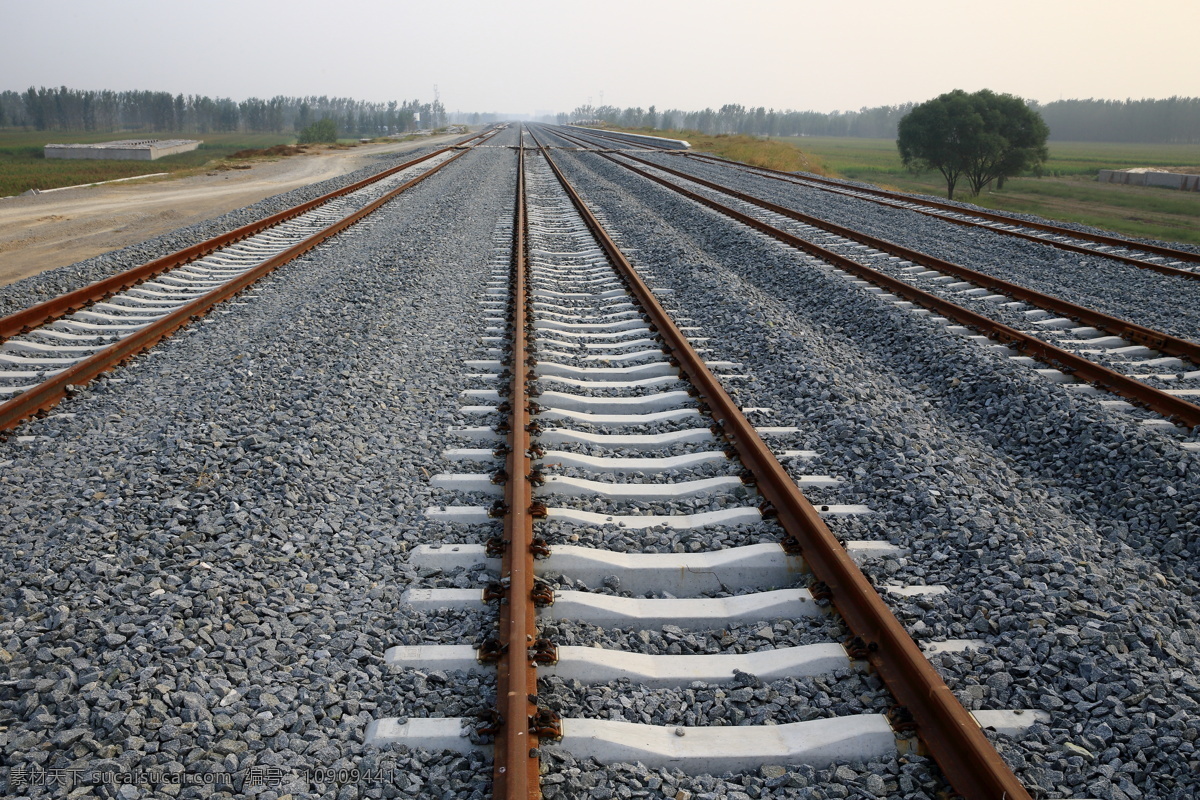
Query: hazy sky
(540, 56)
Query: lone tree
(981, 137)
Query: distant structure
(1148, 176)
(124, 150)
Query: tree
(982, 137)
(323, 130)
(303, 115)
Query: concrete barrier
(1149, 177)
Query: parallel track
(55, 346)
(584, 346)
(772, 223)
(1166, 260)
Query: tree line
(64, 109)
(870, 123)
(1174, 119)
(1170, 120)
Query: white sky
(540, 56)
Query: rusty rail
(1164, 342)
(1171, 407)
(953, 738)
(34, 316)
(515, 771)
(1099, 238)
(48, 393)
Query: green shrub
(323, 130)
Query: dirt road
(44, 231)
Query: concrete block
(123, 150)
(715, 750)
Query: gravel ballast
(204, 553)
(1066, 534)
(1164, 302)
(54, 282)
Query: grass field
(753, 150)
(23, 167)
(1067, 191)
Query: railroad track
(612, 422)
(604, 471)
(50, 349)
(1166, 260)
(1085, 350)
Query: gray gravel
(212, 588)
(1067, 535)
(204, 554)
(1163, 302)
(51, 283)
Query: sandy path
(40, 232)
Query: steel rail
(1171, 407)
(1164, 342)
(48, 393)
(1099, 238)
(515, 763)
(952, 736)
(845, 188)
(35, 316)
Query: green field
(23, 167)
(1068, 189)
(755, 150)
